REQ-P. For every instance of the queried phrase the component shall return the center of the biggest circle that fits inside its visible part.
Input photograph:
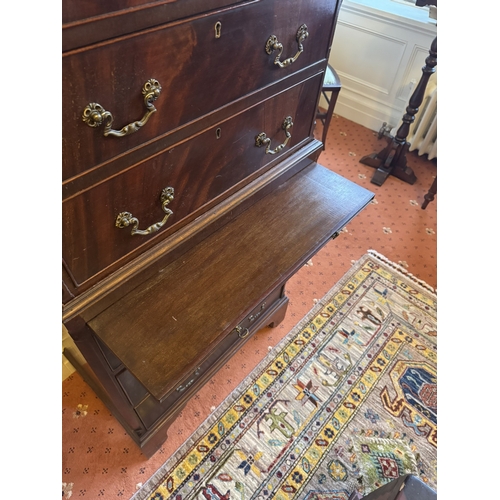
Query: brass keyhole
(218, 133)
(218, 26)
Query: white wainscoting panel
(378, 56)
(366, 72)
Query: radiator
(423, 131)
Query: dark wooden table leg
(430, 194)
(392, 159)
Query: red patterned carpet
(100, 461)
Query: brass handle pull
(242, 333)
(125, 219)
(262, 139)
(187, 384)
(272, 44)
(94, 114)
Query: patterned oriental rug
(347, 401)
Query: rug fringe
(401, 270)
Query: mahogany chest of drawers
(191, 191)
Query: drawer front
(202, 172)
(150, 410)
(135, 13)
(74, 11)
(198, 72)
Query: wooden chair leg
(331, 86)
(329, 113)
(430, 194)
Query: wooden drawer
(202, 171)
(73, 12)
(197, 71)
(150, 410)
(85, 23)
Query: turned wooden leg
(392, 159)
(430, 194)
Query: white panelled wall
(379, 49)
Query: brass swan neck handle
(263, 140)
(273, 44)
(126, 219)
(95, 115)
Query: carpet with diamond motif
(347, 401)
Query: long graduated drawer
(199, 173)
(183, 70)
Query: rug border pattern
(421, 289)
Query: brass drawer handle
(242, 333)
(125, 219)
(262, 139)
(272, 44)
(187, 384)
(256, 314)
(94, 114)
